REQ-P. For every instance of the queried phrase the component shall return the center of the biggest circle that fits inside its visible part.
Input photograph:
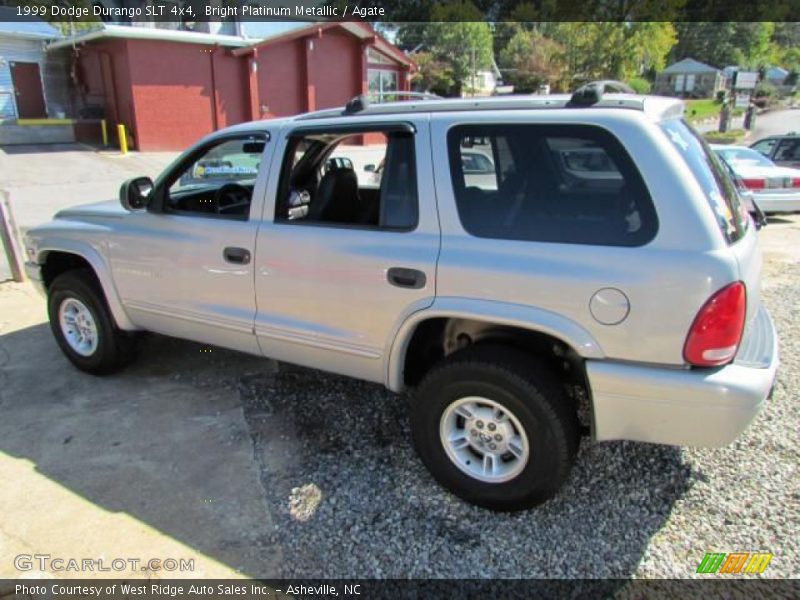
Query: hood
(108, 209)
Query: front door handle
(239, 256)
(403, 277)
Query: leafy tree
(611, 50)
(721, 44)
(463, 47)
(432, 75)
(530, 60)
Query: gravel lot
(351, 499)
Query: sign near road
(746, 80)
(742, 100)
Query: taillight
(717, 329)
(796, 182)
(754, 184)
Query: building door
(27, 83)
(690, 83)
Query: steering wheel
(230, 197)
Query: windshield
(744, 157)
(719, 188)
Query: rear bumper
(686, 407)
(33, 271)
(778, 202)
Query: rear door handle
(239, 256)
(409, 278)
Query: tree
(432, 75)
(722, 44)
(530, 60)
(611, 50)
(463, 47)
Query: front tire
(494, 427)
(83, 325)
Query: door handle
(239, 256)
(402, 277)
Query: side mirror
(135, 193)
(370, 168)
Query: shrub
(640, 85)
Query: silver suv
(511, 260)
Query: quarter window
(566, 184)
(719, 188)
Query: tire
(531, 399)
(78, 292)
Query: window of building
(549, 183)
(364, 180)
(381, 84)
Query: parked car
(783, 150)
(775, 189)
(505, 309)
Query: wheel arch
(56, 259)
(501, 320)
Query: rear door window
(720, 190)
(549, 183)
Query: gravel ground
(351, 499)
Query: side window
(788, 150)
(708, 170)
(362, 180)
(765, 146)
(218, 180)
(566, 183)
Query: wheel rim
(78, 326)
(484, 439)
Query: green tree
(529, 60)
(721, 44)
(464, 47)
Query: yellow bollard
(104, 131)
(123, 139)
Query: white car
(774, 188)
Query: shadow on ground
(162, 438)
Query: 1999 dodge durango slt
(504, 258)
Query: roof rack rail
(592, 92)
(362, 102)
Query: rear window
(544, 183)
(720, 190)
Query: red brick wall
(172, 90)
(281, 78)
(335, 61)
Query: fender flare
(502, 313)
(101, 269)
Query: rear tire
(83, 325)
(495, 396)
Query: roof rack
(592, 92)
(362, 102)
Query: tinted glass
(719, 188)
(788, 150)
(566, 183)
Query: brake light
(796, 182)
(754, 184)
(717, 329)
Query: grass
(729, 137)
(704, 108)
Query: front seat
(337, 197)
